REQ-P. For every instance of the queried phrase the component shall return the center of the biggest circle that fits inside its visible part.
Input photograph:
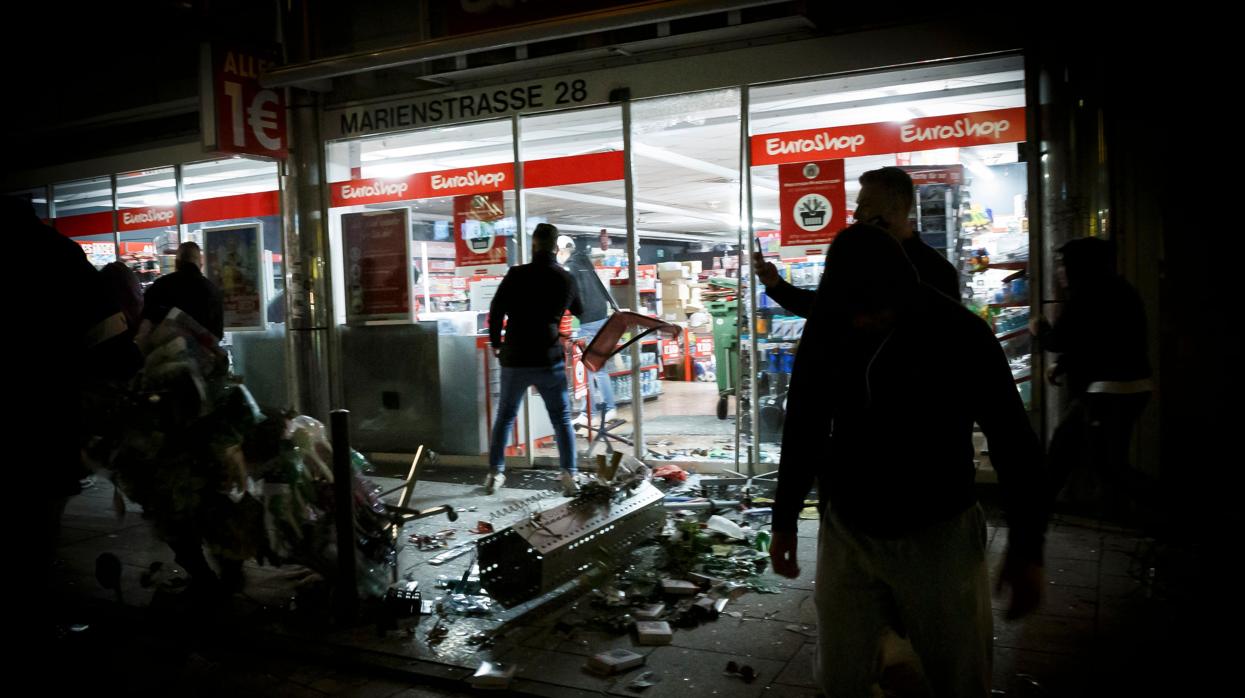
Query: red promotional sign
(813, 201)
(146, 217)
(378, 265)
(550, 172)
(476, 242)
(928, 133)
(223, 208)
(248, 118)
(84, 224)
(574, 169)
(952, 174)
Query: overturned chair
(602, 348)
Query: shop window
(83, 210)
(686, 164)
(956, 128)
(424, 293)
(231, 207)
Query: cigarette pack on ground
(650, 611)
(679, 586)
(614, 662)
(653, 632)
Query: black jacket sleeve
(575, 303)
(1015, 451)
(798, 301)
(497, 310)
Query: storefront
(672, 191)
(230, 207)
(664, 172)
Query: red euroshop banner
(247, 117)
(223, 208)
(84, 224)
(476, 242)
(813, 201)
(550, 172)
(146, 217)
(927, 133)
(378, 265)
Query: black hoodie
(884, 419)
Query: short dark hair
(545, 237)
(894, 183)
(189, 253)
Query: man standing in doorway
(596, 310)
(885, 201)
(188, 290)
(529, 305)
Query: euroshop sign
(148, 217)
(928, 133)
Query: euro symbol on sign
(263, 119)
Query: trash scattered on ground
(726, 527)
(492, 675)
(454, 552)
(654, 632)
(483, 527)
(745, 672)
(670, 472)
(434, 541)
(643, 681)
(614, 662)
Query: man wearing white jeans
(889, 379)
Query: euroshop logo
(387, 189)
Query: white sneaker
(570, 488)
(610, 415)
(492, 481)
(580, 420)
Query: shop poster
(478, 242)
(233, 260)
(813, 201)
(378, 266)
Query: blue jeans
(602, 386)
(551, 384)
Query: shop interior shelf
(627, 372)
(1009, 304)
(1012, 335)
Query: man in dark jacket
(529, 305)
(1100, 338)
(596, 311)
(186, 288)
(885, 201)
(881, 415)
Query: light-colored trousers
(931, 586)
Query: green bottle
(762, 541)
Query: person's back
(591, 288)
(533, 298)
(1100, 334)
(187, 289)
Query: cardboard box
(614, 662)
(653, 632)
(672, 274)
(650, 611)
(693, 267)
(671, 291)
(679, 586)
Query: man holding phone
(885, 201)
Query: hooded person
(881, 414)
(1100, 339)
(596, 304)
